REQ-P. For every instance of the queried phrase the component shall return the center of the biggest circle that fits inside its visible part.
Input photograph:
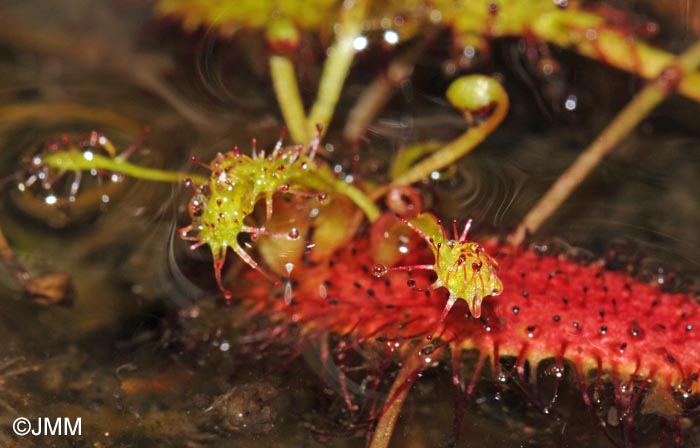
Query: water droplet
(288, 293)
(379, 270)
(288, 267)
(391, 37)
(360, 43)
(571, 103)
(293, 234)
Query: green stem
(635, 111)
(337, 65)
(74, 160)
(324, 179)
(360, 199)
(469, 94)
(588, 34)
(287, 92)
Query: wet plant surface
(149, 355)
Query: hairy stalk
(75, 160)
(635, 111)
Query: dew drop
(293, 234)
(379, 270)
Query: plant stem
(287, 92)
(413, 365)
(381, 90)
(337, 65)
(635, 111)
(74, 160)
(325, 179)
(589, 34)
(360, 199)
(480, 93)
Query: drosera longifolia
(462, 267)
(224, 201)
